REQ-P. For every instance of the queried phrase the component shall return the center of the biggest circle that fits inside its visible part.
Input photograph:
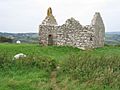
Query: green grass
(36, 50)
(97, 69)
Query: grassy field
(97, 69)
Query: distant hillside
(23, 37)
(111, 38)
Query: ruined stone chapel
(72, 33)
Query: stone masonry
(72, 33)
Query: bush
(5, 39)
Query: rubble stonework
(72, 33)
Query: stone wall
(72, 33)
(99, 30)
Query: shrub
(5, 39)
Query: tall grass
(90, 70)
(97, 69)
(31, 73)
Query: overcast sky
(25, 15)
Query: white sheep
(18, 56)
(18, 42)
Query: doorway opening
(50, 40)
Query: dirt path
(54, 81)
